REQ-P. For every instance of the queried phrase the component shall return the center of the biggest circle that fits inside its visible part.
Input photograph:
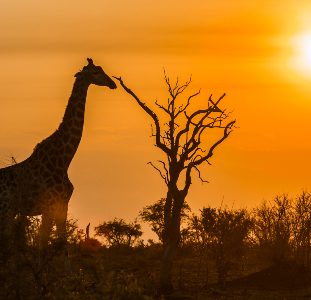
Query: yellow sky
(245, 49)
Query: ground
(132, 274)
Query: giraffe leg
(60, 217)
(45, 230)
(61, 245)
(61, 213)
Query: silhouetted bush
(273, 229)
(301, 228)
(216, 245)
(154, 215)
(224, 234)
(119, 233)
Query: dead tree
(181, 135)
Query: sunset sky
(258, 52)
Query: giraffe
(39, 185)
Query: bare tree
(182, 139)
(228, 231)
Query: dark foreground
(93, 272)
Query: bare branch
(196, 150)
(159, 143)
(199, 172)
(214, 105)
(190, 118)
(177, 89)
(165, 168)
(162, 107)
(210, 153)
(200, 159)
(183, 108)
(159, 171)
(199, 127)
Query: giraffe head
(95, 75)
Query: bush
(119, 233)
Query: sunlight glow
(302, 53)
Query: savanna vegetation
(215, 253)
(224, 253)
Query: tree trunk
(171, 239)
(166, 286)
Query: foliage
(301, 228)
(154, 215)
(273, 228)
(117, 232)
(218, 242)
(90, 245)
(32, 231)
(224, 233)
(32, 225)
(282, 229)
(123, 285)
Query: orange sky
(248, 50)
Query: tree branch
(205, 113)
(159, 143)
(183, 108)
(210, 153)
(195, 163)
(198, 170)
(160, 172)
(165, 168)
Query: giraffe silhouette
(40, 185)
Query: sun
(302, 52)
(304, 47)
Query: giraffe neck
(57, 151)
(71, 128)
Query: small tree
(154, 215)
(274, 227)
(230, 235)
(181, 135)
(223, 233)
(118, 232)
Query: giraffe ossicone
(39, 185)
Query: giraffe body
(40, 185)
